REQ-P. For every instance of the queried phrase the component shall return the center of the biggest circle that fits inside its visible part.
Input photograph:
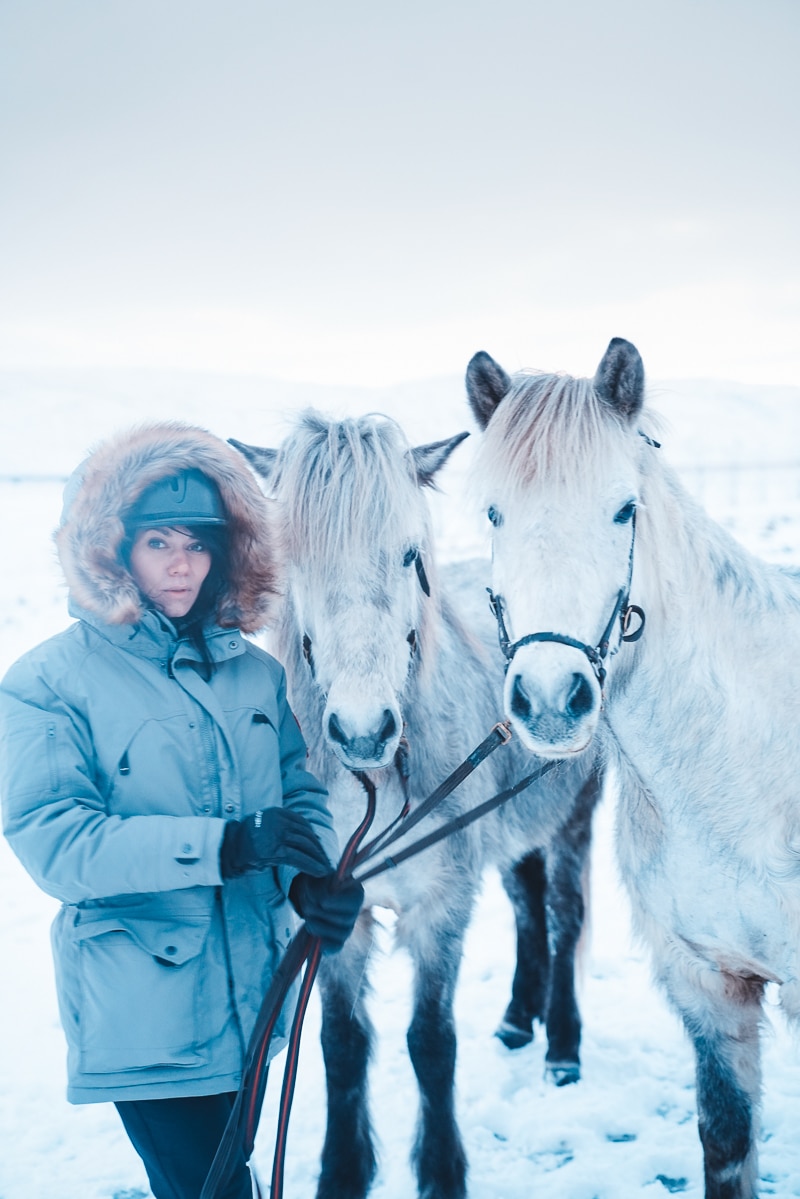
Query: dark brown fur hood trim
(114, 475)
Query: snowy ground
(628, 1129)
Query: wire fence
(752, 485)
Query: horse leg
(564, 900)
(722, 1014)
(525, 885)
(348, 1156)
(438, 1157)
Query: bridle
(623, 611)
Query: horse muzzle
(553, 699)
(363, 740)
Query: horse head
(559, 473)
(362, 599)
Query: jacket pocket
(143, 1002)
(258, 755)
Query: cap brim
(160, 520)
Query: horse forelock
(349, 497)
(549, 426)
(346, 486)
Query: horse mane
(551, 424)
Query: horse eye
(494, 516)
(410, 555)
(625, 514)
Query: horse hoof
(562, 1073)
(512, 1036)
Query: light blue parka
(119, 765)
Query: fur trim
(107, 483)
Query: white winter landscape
(628, 1129)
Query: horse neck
(706, 600)
(686, 565)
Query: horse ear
(620, 378)
(260, 458)
(487, 383)
(428, 459)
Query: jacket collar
(155, 637)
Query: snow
(629, 1127)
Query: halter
(597, 654)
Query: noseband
(597, 654)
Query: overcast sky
(361, 191)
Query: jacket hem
(154, 1090)
(119, 1092)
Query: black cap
(188, 498)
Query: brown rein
(239, 1135)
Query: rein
(240, 1131)
(623, 611)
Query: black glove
(272, 837)
(329, 907)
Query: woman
(153, 779)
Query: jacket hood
(109, 481)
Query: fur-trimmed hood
(105, 485)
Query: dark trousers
(177, 1139)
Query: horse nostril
(335, 730)
(388, 727)
(580, 700)
(520, 703)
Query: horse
(698, 709)
(384, 677)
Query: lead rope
(240, 1131)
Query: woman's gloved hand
(329, 907)
(272, 837)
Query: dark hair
(193, 625)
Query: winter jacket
(119, 765)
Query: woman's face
(169, 566)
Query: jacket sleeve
(302, 791)
(54, 818)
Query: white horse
(384, 676)
(700, 712)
